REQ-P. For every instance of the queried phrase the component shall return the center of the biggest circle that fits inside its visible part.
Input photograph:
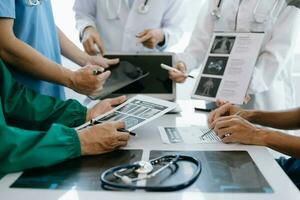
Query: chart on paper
(188, 135)
(135, 112)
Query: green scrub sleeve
(21, 149)
(26, 109)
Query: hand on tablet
(179, 77)
(104, 107)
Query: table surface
(149, 139)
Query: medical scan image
(208, 87)
(222, 172)
(223, 45)
(215, 66)
(81, 173)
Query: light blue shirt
(35, 26)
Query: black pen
(95, 122)
(126, 131)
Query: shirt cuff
(75, 114)
(166, 42)
(82, 24)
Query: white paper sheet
(228, 67)
(136, 112)
(188, 135)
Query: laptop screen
(157, 82)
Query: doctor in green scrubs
(36, 130)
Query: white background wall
(64, 17)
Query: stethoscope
(258, 18)
(145, 170)
(142, 9)
(32, 3)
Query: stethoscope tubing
(217, 10)
(106, 184)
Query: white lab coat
(118, 30)
(271, 87)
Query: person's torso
(118, 23)
(259, 16)
(249, 15)
(35, 26)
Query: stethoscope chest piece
(216, 13)
(145, 167)
(129, 175)
(143, 9)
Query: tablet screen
(156, 82)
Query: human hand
(225, 109)
(102, 138)
(104, 106)
(178, 77)
(84, 81)
(235, 129)
(90, 39)
(101, 61)
(150, 38)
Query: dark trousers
(291, 167)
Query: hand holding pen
(95, 122)
(212, 126)
(169, 68)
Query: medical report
(135, 112)
(188, 135)
(228, 68)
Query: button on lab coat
(271, 87)
(118, 30)
(34, 129)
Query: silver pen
(211, 129)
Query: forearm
(287, 144)
(70, 50)
(27, 60)
(41, 111)
(287, 120)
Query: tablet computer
(122, 74)
(156, 84)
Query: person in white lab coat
(128, 25)
(271, 87)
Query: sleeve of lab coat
(195, 52)
(172, 22)
(22, 149)
(277, 51)
(85, 14)
(26, 109)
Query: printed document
(228, 68)
(188, 135)
(135, 112)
